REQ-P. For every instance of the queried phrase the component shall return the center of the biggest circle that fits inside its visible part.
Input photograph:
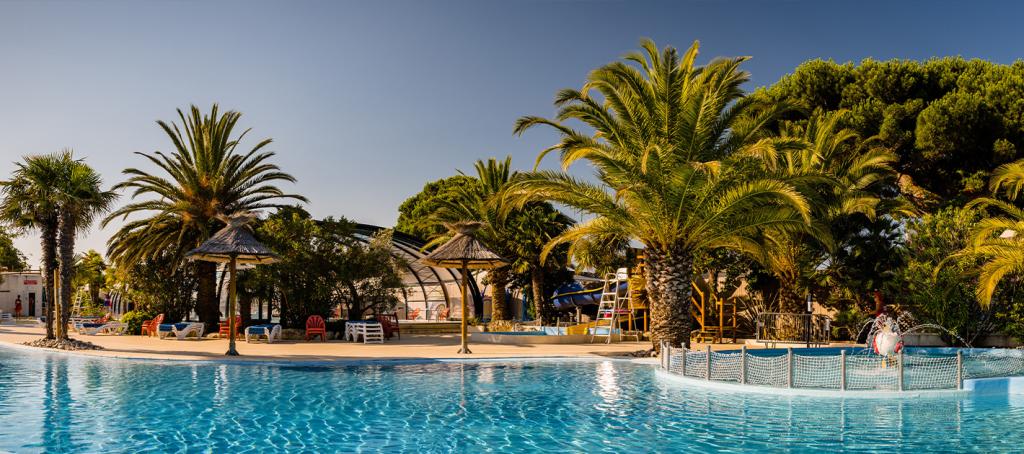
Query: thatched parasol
(464, 252)
(234, 245)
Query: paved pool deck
(442, 346)
(408, 347)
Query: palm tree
(475, 202)
(677, 150)
(997, 239)
(29, 204)
(80, 199)
(528, 232)
(205, 177)
(89, 270)
(844, 179)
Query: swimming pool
(77, 404)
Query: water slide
(573, 295)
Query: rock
(63, 344)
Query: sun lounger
(92, 324)
(270, 330)
(6, 318)
(183, 330)
(371, 331)
(92, 329)
(178, 330)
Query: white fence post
(959, 369)
(665, 358)
(683, 365)
(842, 370)
(743, 365)
(899, 380)
(707, 363)
(789, 365)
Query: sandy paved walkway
(410, 346)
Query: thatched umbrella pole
(232, 285)
(464, 251)
(465, 324)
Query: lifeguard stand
(614, 309)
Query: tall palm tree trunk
(66, 253)
(207, 304)
(669, 289)
(542, 307)
(499, 281)
(49, 265)
(790, 295)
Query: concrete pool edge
(999, 386)
(834, 394)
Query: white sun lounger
(193, 328)
(109, 328)
(372, 332)
(271, 331)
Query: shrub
(133, 320)
(847, 323)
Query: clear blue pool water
(57, 403)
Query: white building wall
(28, 285)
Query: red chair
(149, 327)
(315, 326)
(390, 324)
(225, 326)
(442, 314)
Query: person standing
(17, 307)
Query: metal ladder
(611, 307)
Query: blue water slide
(571, 296)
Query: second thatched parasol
(464, 252)
(234, 245)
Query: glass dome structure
(429, 291)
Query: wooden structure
(715, 316)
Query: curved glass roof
(427, 289)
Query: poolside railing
(780, 328)
(841, 372)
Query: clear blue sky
(367, 101)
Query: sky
(368, 100)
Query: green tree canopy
(323, 265)
(11, 259)
(944, 296)
(950, 121)
(90, 270)
(156, 285)
(415, 212)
